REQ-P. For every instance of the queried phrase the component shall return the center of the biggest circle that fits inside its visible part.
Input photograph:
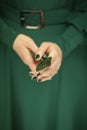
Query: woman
(57, 98)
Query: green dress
(59, 104)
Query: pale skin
(24, 45)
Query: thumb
(42, 50)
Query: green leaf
(44, 63)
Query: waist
(35, 18)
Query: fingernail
(39, 80)
(38, 74)
(44, 56)
(31, 74)
(37, 57)
(33, 78)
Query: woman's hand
(23, 46)
(52, 50)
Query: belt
(35, 19)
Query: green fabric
(7, 34)
(77, 29)
(69, 40)
(77, 19)
(59, 104)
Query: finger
(53, 52)
(32, 47)
(28, 59)
(47, 75)
(46, 72)
(54, 63)
(42, 50)
(44, 79)
(47, 69)
(54, 56)
(37, 74)
(52, 70)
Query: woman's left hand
(52, 50)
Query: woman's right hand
(23, 46)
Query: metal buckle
(22, 18)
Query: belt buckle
(22, 18)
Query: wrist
(60, 51)
(21, 38)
